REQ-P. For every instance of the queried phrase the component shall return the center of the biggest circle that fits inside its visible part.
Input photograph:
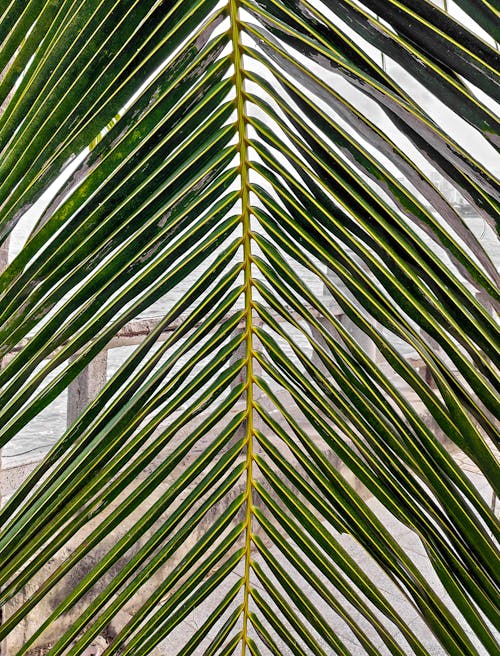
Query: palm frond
(267, 471)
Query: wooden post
(86, 386)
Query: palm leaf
(266, 472)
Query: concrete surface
(414, 548)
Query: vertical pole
(359, 336)
(86, 386)
(4, 254)
(316, 360)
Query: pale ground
(413, 546)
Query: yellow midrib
(247, 268)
